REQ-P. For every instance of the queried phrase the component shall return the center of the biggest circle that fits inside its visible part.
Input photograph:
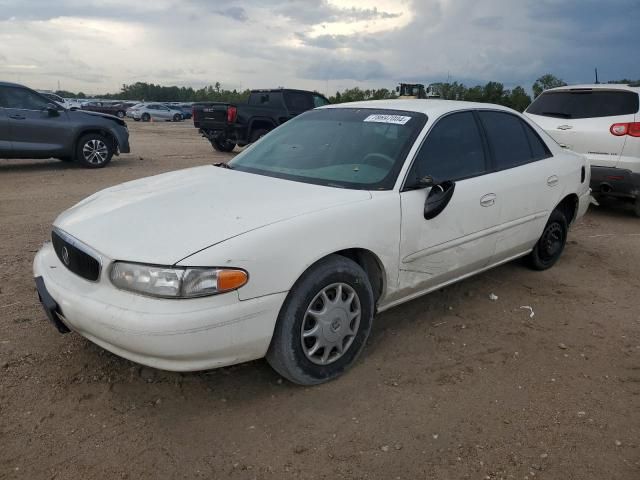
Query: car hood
(77, 111)
(165, 218)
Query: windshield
(355, 148)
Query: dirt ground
(451, 386)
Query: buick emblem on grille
(65, 256)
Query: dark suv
(32, 126)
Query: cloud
(97, 45)
(237, 13)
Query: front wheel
(551, 244)
(94, 150)
(146, 117)
(223, 145)
(324, 323)
(120, 114)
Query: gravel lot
(451, 386)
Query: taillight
(232, 114)
(621, 129)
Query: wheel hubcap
(95, 151)
(552, 241)
(330, 324)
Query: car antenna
(597, 82)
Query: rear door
(298, 102)
(528, 181)
(461, 238)
(580, 120)
(33, 130)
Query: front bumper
(615, 182)
(178, 335)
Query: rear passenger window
(452, 151)
(508, 139)
(539, 149)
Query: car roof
(10, 84)
(596, 86)
(431, 107)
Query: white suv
(601, 121)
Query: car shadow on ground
(54, 165)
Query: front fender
(276, 255)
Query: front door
(460, 239)
(34, 131)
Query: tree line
(492, 92)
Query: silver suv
(601, 121)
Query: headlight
(176, 282)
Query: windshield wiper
(223, 165)
(557, 114)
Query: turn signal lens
(619, 129)
(231, 279)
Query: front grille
(75, 258)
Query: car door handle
(553, 180)
(17, 116)
(488, 200)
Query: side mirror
(52, 109)
(438, 198)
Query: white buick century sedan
(290, 249)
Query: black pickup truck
(226, 125)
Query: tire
(177, 117)
(551, 244)
(258, 134)
(120, 114)
(145, 117)
(223, 145)
(94, 150)
(293, 351)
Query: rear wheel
(145, 117)
(120, 114)
(551, 244)
(94, 150)
(223, 145)
(257, 134)
(177, 117)
(324, 322)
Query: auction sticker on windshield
(395, 119)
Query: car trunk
(581, 119)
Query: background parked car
(155, 111)
(601, 121)
(185, 109)
(32, 126)
(118, 109)
(226, 125)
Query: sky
(95, 46)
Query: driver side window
(453, 150)
(23, 99)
